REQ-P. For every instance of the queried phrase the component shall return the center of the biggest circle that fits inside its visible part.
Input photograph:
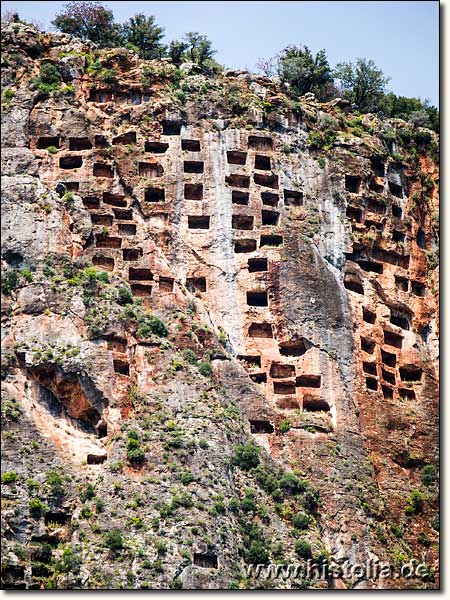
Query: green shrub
(136, 455)
(7, 96)
(429, 475)
(114, 540)
(10, 281)
(415, 502)
(190, 356)
(291, 483)
(124, 296)
(183, 499)
(205, 368)
(284, 425)
(150, 324)
(303, 548)
(257, 553)
(186, 477)
(300, 520)
(9, 477)
(56, 482)
(37, 507)
(246, 457)
(88, 493)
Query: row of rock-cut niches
(405, 285)
(374, 206)
(243, 181)
(133, 97)
(262, 162)
(353, 184)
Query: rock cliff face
(220, 316)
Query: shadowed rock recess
(220, 317)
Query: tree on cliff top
(363, 84)
(143, 34)
(89, 21)
(304, 73)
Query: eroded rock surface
(189, 273)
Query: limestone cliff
(220, 317)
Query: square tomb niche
(243, 246)
(190, 145)
(46, 142)
(238, 197)
(151, 169)
(242, 222)
(262, 163)
(71, 162)
(234, 157)
(257, 299)
(198, 222)
(270, 199)
(82, 143)
(257, 142)
(352, 183)
(260, 330)
(193, 166)
(193, 191)
(256, 265)
(293, 198)
(196, 284)
(102, 170)
(156, 147)
(154, 195)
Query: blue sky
(401, 36)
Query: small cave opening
(260, 330)
(100, 96)
(117, 200)
(258, 377)
(166, 284)
(271, 240)
(270, 181)
(352, 184)
(406, 394)
(46, 142)
(400, 319)
(270, 199)
(293, 198)
(370, 368)
(421, 239)
(193, 191)
(388, 392)
(106, 262)
(242, 181)
(281, 370)
(393, 339)
(388, 376)
(171, 127)
(96, 459)
(140, 274)
(251, 361)
(193, 166)
(71, 186)
(121, 367)
(242, 222)
(353, 283)
(314, 404)
(410, 373)
(82, 143)
(58, 517)
(100, 141)
(116, 343)
(417, 288)
(262, 163)
(190, 145)
(234, 157)
(198, 222)
(126, 138)
(397, 211)
(156, 147)
(388, 358)
(258, 142)
(14, 259)
(91, 203)
(102, 219)
(367, 345)
(196, 284)
(103, 170)
(284, 388)
(123, 214)
(131, 254)
(141, 290)
(354, 214)
(368, 315)
(153, 194)
(311, 381)
(206, 561)
(70, 162)
(153, 169)
(238, 197)
(401, 283)
(259, 426)
(257, 265)
(398, 236)
(376, 206)
(269, 217)
(371, 265)
(294, 347)
(377, 167)
(127, 229)
(372, 384)
(395, 189)
(376, 187)
(104, 241)
(243, 246)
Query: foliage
(143, 34)
(419, 113)
(37, 507)
(415, 502)
(205, 368)
(150, 324)
(195, 48)
(303, 73)
(10, 281)
(429, 475)
(284, 425)
(363, 83)
(300, 520)
(9, 477)
(89, 21)
(303, 548)
(124, 295)
(114, 540)
(257, 553)
(246, 457)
